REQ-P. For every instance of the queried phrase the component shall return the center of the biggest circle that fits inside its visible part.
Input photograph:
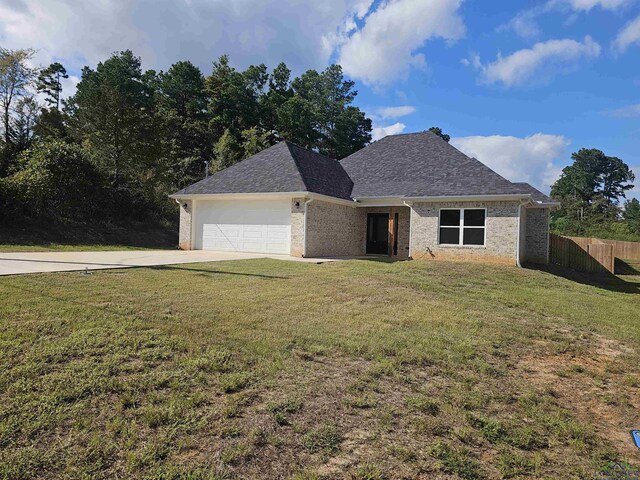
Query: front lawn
(358, 369)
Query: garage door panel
(219, 226)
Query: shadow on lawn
(606, 281)
(211, 272)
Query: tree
(589, 191)
(278, 93)
(632, 215)
(50, 125)
(57, 179)
(352, 132)
(593, 184)
(182, 90)
(296, 122)
(15, 77)
(182, 106)
(254, 140)
(328, 122)
(438, 131)
(50, 83)
(26, 116)
(234, 97)
(112, 113)
(227, 152)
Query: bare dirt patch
(592, 385)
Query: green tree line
(128, 136)
(590, 192)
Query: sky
(518, 84)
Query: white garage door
(243, 225)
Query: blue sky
(518, 84)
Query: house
(407, 196)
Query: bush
(56, 179)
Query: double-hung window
(462, 226)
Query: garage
(259, 226)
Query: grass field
(361, 369)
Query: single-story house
(407, 196)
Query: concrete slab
(41, 262)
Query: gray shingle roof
(421, 164)
(406, 165)
(284, 167)
(536, 194)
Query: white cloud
(629, 111)
(541, 59)
(525, 22)
(80, 32)
(381, 132)
(386, 47)
(532, 159)
(628, 36)
(385, 113)
(586, 5)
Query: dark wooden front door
(378, 233)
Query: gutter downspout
(304, 228)
(520, 205)
(410, 222)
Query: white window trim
(462, 227)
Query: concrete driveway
(40, 262)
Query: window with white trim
(462, 226)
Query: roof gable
(420, 164)
(284, 167)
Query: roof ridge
(296, 163)
(290, 143)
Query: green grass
(358, 369)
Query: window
(462, 226)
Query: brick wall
(297, 226)
(501, 232)
(184, 235)
(537, 235)
(333, 230)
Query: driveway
(40, 262)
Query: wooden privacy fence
(584, 254)
(625, 250)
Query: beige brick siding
(297, 226)
(501, 232)
(184, 235)
(340, 230)
(333, 230)
(537, 235)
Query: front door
(378, 233)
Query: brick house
(406, 196)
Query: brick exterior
(297, 226)
(501, 232)
(184, 236)
(340, 230)
(536, 248)
(333, 230)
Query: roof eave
(262, 195)
(470, 198)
